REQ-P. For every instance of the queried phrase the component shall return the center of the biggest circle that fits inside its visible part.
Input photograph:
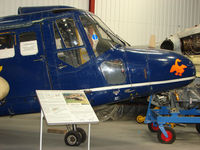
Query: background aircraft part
(4, 88)
(160, 99)
(189, 97)
(186, 42)
(167, 44)
(191, 45)
(196, 61)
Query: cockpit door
(69, 61)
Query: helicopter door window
(28, 44)
(69, 43)
(113, 71)
(7, 46)
(68, 32)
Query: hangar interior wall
(136, 20)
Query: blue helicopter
(64, 48)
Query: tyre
(140, 118)
(153, 127)
(198, 127)
(82, 134)
(72, 138)
(171, 136)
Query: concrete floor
(22, 133)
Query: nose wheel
(72, 138)
(75, 136)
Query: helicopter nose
(182, 67)
(169, 70)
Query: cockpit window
(113, 71)
(101, 39)
(69, 32)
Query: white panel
(9, 7)
(136, 20)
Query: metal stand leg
(89, 125)
(41, 128)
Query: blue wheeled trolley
(160, 120)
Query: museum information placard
(61, 107)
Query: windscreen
(99, 35)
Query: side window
(28, 44)
(6, 46)
(113, 71)
(69, 43)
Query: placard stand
(56, 105)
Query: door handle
(61, 66)
(40, 59)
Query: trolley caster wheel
(72, 138)
(140, 118)
(82, 134)
(171, 136)
(198, 127)
(153, 127)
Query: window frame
(65, 48)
